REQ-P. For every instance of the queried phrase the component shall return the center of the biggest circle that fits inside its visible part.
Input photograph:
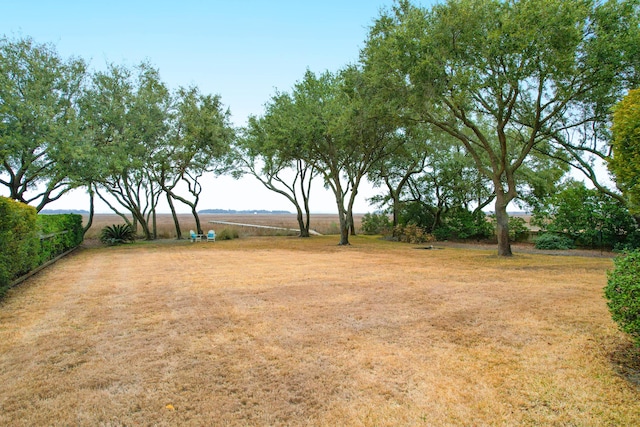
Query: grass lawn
(289, 331)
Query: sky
(243, 50)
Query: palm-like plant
(116, 234)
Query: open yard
(289, 331)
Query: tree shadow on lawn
(625, 360)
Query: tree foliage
(40, 136)
(327, 122)
(588, 217)
(625, 162)
(507, 78)
(269, 151)
(198, 141)
(125, 113)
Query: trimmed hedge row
(28, 240)
(19, 242)
(58, 234)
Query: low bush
(623, 294)
(117, 234)
(227, 234)
(518, 230)
(411, 233)
(459, 223)
(553, 242)
(375, 223)
(590, 218)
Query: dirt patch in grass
(289, 331)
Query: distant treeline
(63, 211)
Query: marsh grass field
(278, 330)
(322, 223)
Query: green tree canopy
(267, 153)
(126, 117)
(40, 136)
(625, 162)
(507, 78)
(198, 141)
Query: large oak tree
(507, 78)
(40, 137)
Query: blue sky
(242, 50)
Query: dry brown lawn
(288, 331)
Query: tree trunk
(176, 223)
(304, 228)
(155, 224)
(352, 226)
(139, 218)
(91, 211)
(197, 218)
(396, 210)
(344, 229)
(502, 226)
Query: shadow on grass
(625, 359)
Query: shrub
(591, 218)
(418, 213)
(411, 233)
(117, 234)
(227, 234)
(553, 241)
(518, 230)
(460, 223)
(623, 294)
(375, 223)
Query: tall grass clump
(227, 234)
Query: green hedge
(28, 240)
(58, 234)
(19, 241)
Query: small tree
(623, 293)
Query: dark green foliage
(518, 230)
(590, 218)
(227, 234)
(375, 223)
(28, 240)
(417, 213)
(18, 241)
(117, 234)
(451, 223)
(553, 242)
(459, 223)
(623, 294)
